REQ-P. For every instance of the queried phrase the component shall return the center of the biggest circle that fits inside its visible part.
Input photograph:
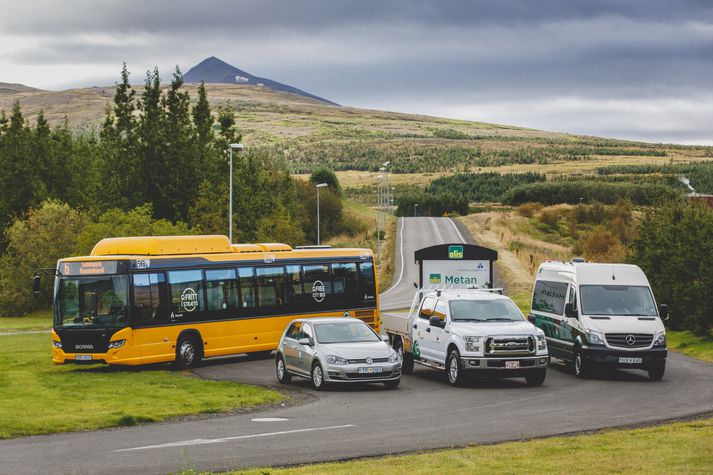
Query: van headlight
(660, 339)
(394, 358)
(472, 343)
(541, 342)
(116, 344)
(595, 338)
(338, 360)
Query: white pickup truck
(459, 330)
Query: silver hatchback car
(327, 350)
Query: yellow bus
(141, 300)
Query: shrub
(600, 245)
(549, 217)
(528, 210)
(573, 192)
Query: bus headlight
(472, 343)
(595, 338)
(116, 344)
(331, 359)
(660, 339)
(57, 344)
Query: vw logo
(630, 339)
(369, 360)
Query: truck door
(421, 326)
(434, 337)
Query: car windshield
(347, 332)
(92, 302)
(496, 310)
(619, 300)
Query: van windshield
(619, 300)
(500, 310)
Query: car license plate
(371, 370)
(83, 357)
(512, 364)
(626, 360)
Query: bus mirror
(663, 311)
(570, 311)
(36, 285)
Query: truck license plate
(626, 360)
(371, 370)
(512, 364)
(83, 357)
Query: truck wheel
(188, 353)
(406, 358)
(454, 368)
(656, 371)
(536, 379)
(582, 367)
(282, 375)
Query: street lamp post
(415, 209)
(238, 147)
(321, 185)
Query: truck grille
(629, 340)
(509, 345)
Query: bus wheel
(187, 353)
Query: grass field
(37, 397)
(40, 320)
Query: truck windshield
(348, 332)
(92, 302)
(619, 300)
(485, 311)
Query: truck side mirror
(663, 311)
(531, 318)
(570, 311)
(36, 285)
(435, 321)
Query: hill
(216, 71)
(12, 88)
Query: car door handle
(428, 329)
(415, 326)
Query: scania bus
(140, 300)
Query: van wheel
(582, 367)
(536, 379)
(188, 352)
(406, 358)
(454, 368)
(656, 371)
(318, 377)
(392, 384)
(282, 375)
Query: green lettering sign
(455, 252)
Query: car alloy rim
(453, 373)
(280, 368)
(317, 376)
(187, 352)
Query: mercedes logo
(369, 360)
(630, 339)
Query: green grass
(40, 320)
(523, 301)
(683, 447)
(37, 397)
(689, 344)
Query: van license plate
(512, 364)
(83, 357)
(625, 360)
(371, 370)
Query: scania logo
(630, 339)
(83, 347)
(369, 360)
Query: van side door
(548, 299)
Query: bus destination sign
(89, 268)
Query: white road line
(438, 231)
(456, 227)
(185, 443)
(401, 249)
(269, 419)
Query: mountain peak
(215, 70)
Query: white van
(600, 314)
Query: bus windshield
(619, 300)
(92, 302)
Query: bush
(528, 210)
(573, 192)
(601, 245)
(549, 217)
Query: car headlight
(57, 344)
(660, 339)
(331, 359)
(595, 338)
(394, 358)
(472, 343)
(541, 342)
(116, 344)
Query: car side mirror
(570, 311)
(531, 318)
(663, 311)
(36, 285)
(305, 342)
(436, 321)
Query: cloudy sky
(636, 69)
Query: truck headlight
(116, 344)
(541, 342)
(472, 343)
(331, 359)
(660, 339)
(394, 358)
(595, 338)
(57, 344)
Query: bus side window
(270, 286)
(346, 283)
(186, 293)
(247, 287)
(367, 283)
(221, 290)
(150, 299)
(295, 289)
(318, 286)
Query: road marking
(401, 248)
(438, 231)
(269, 419)
(459, 234)
(184, 443)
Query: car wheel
(282, 375)
(582, 367)
(536, 379)
(454, 368)
(656, 371)
(406, 358)
(187, 353)
(318, 377)
(392, 384)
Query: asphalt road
(366, 420)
